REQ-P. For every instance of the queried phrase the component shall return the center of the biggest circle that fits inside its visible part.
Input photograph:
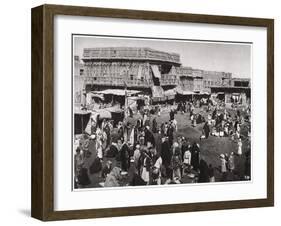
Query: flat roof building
(151, 71)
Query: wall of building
(117, 73)
(131, 67)
(186, 83)
(215, 78)
(130, 53)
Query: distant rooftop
(129, 53)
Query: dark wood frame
(43, 119)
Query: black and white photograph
(160, 112)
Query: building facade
(215, 78)
(145, 69)
(136, 68)
(79, 82)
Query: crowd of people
(145, 152)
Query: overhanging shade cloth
(186, 93)
(117, 92)
(114, 113)
(103, 114)
(157, 91)
(180, 91)
(134, 101)
(155, 71)
(114, 109)
(97, 96)
(170, 94)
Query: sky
(212, 56)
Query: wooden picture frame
(43, 111)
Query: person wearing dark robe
(236, 125)
(166, 153)
(211, 172)
(172, 115)
(138, 125)
(180, 107)
(214, 115)
(170, 134)
(163, 129)
(120, 131)
(148, 136)
(106, 169)
(199, 119)
(135, 131)
(113, 151)
(204, 172)
(206, 129)
(78, 160)
(108, 135)
(125, 157)
(134, 177)
(83, 177)
(221, 117)
(247, 165)
(238, 113)
(195, 156)
(154, 125)
(184, 147)
(96, 166)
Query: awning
(187, 92)
(97, 95)
(117, 92)
(171, 97)
(179, 90)
(103, 114)
(170, 92)
(157, 91)
(155, 71)
(114, 109)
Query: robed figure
(195, 156)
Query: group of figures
(141, 151)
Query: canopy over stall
(170, 94)
(117, 92)
(155, 71)
(187, 92)
(102, 113)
